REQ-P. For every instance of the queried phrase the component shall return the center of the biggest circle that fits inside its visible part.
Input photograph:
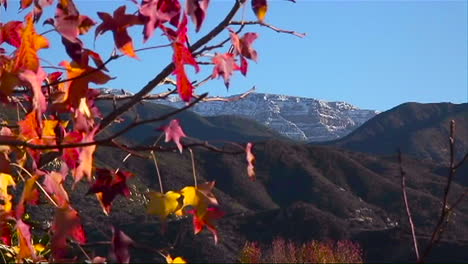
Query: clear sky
(374, 54)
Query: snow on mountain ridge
(299, 118)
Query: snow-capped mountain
(299, 118)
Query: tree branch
(279, 30)
(408, 211)
(168, 69)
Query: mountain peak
(299, 118)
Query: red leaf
(35, 80)
(208, 219)
(120, 244)
(225, 64)
(260, 8)
(244, 65)
(118, 24)
(250, 161)
(67, 224)
(5, 232)
(108, 185)
(182, 56)
(157, 12)
(67, 20)
(243, 46)
(174, 132)
(85, 159)
(11, 33)
(53, 184)
(196, 9)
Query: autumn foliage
(61, 123)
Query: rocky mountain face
(299, 118)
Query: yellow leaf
(5, 181)
(39, 247)
(199, 197)
(180, 260)
(48, 129)
(163, 204)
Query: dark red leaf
(120, 246)
(244, 65)
(108, 185)
(11, 33)
(243, 46)
(67, 224)
(196, 9)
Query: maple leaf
(30, 195)
(163, 205)
(35, 80)
(5, 181)
(155, 13)
(207, 219)
(174, 132)
(85, 158)
(26, 248)
(250, 161)
(108, 185)
(66, 224)
(225, 64)
(196, 9)
(120, 244)
(118, 24)
(176, 260)
(78, 88)
(260, 8)
(31, 43)
(199, 197)
(182, 56)
(53, 184)
(11, 33)
(243, 47)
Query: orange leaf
(250, 161)
(25, 3)
(26, 248)
(31, 42)
(260, 8)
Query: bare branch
(279, 30)
(408, 211)
(438, 229)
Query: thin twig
(437, 232)
(408, 211)
(156, 163)
(279, 30)
(193, 168)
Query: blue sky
(374, 54)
